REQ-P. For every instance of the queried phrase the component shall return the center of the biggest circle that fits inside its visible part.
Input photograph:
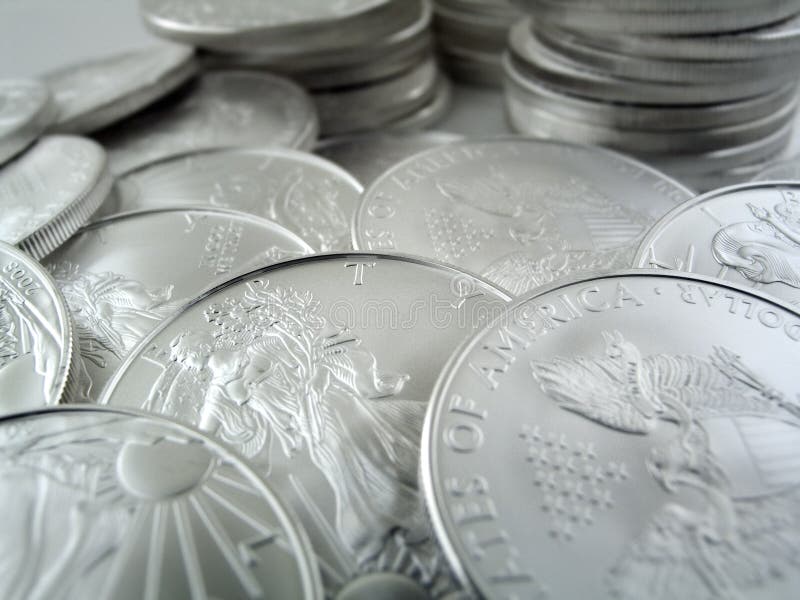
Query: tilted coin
(318, 371)
(37, 346)
(102, 503)
(47, 193)
(748, 234)
(521, 212)
(694, 19)
(372, 106)
(367, 156)
(784, 170)
(630, 436)
(429, 114)
(97, 93)
(123, 275)
(221, 109)
(306, 194)
(26, 109)
(246, 24)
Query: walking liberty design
(307, 403)
(766, 250)
(560, 229)
(735, 449)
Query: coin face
(523, 213)
(747, 234)
(222, 109)
(123, 275)
(97, 93)
(318, 371)
(36, 337)
(50, 191)
(154, 509)
(627, 436)
(367, 156)
(306, 194)
(26, 108)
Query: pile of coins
(367, 64)
(240, 361)
(706, 94)
(471, 37)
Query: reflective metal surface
(111, 504)
(318, 371)
(521, 212)
(123, 275)
(306, 194)
(47, 193)
(748, 234)
(95, 94)
(625, 437)
(221, 109)
(37, 354)
(26, 109)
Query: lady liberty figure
(270, 374)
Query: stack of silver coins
(368, 64)
(707, 94)
(239, 362)
(471, 38)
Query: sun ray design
(155, 556)
(191, 562)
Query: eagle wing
(593, 388)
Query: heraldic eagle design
(735, 449)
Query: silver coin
(222, 109)
(780, 39)
(318, 371)
(97, 93)
(661, 20)
(220, 22)
(540, 122)
(476, 111)
(429, 114)
(521, 212)
(544, 65)
(26, 109)
(355, 109)
(37, 353)
(784, 170)
(123, 275)
(748, 234)
(408, 28)
(115, 504)
(50, 191)
(663, 118)
(367, 156)
(306, 194)
(645, 68)
(623, 437)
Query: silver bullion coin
(37, 349)
(521, 212)
(237, 24)
(221, 109)
(783, 170)
(748, 234)
(375, 105)
(318, 371)
(123, 275)
(26, 109)
(428, 115)
(103, 503)
(631, 436)
(693, 20)
(94, 94)
(307, 194)
(367, 156)
(52, 189)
